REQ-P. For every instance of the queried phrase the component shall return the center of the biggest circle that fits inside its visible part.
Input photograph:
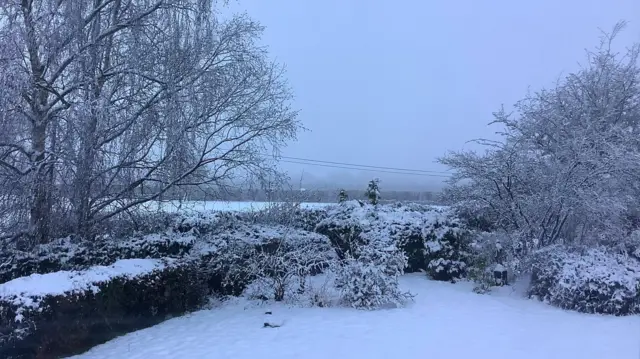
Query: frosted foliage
(594, 280)
(275, 258)
(388, 223)
(371, 281)
(108, 105)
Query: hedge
(588, 280)
(62, 324)
(69, 254)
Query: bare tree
(112, 103)
(568, 156)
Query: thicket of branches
(567, 167)
(107, 104)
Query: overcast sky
(397, 84)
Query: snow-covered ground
(186, 206)
(445, 321)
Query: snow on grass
(445, 321)
(28, 291)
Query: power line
(353, 166)
(366, 169)
(367, 166)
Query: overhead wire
(367, 166)
(366, 169)
(358, 167)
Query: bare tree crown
(107, 104)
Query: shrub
(275, 257)
(431, 238)
(93, 306)
(447, 252)
(371, 280)
(491, 252)
(594, 280)
(343, 229)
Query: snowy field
(445, 321)
(194, 206)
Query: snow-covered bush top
(69, 254)
(258, 234)
(431, 237)
(28, 291)
(389, 222)
(583, 268)
(592, 280)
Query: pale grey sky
(397, 84)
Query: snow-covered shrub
(630, 245)
(491, 252)
(275, 258)
(589, 280)
(344, 225)
(204, 222)
(370, 280)
(447, 252)
(320, 291)
(64, 313)
(410, 238)
(431, 238)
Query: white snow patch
(446, 321)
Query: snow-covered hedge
(287, 214)
(68, 254)
(277, 257)
(593, 280)
(431, 237)
(67, 312)
(157, 235)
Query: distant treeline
(308, 195)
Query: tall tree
(112, 103)
(569, 159)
